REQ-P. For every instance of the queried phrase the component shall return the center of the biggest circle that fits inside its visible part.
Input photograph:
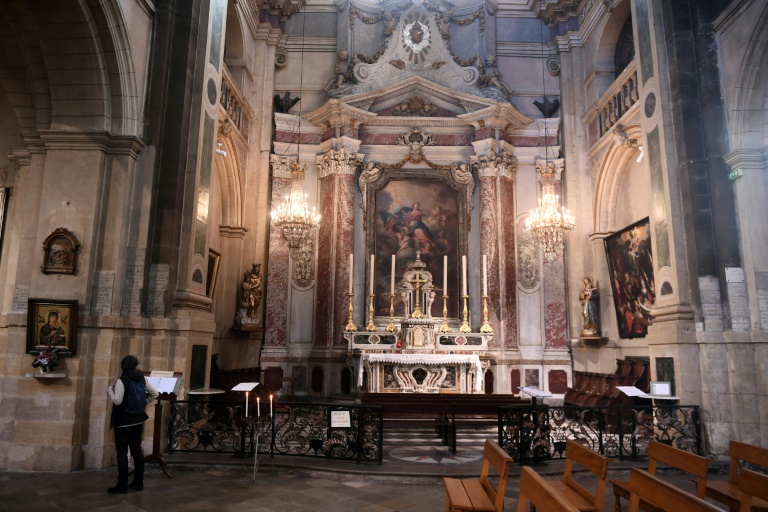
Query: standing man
(130, 394)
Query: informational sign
(340, 419)
(166, 384)
(734, 275)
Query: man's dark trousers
(129, 438)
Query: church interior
(413, 197)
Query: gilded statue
(589, 308)
(251, 290)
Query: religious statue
(370, 173)
(589, 308)
(250, 298)
(343, 71)
(490, 76)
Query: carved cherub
(491, 77)
(343, 71)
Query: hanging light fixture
(549, 222)
(294, 218)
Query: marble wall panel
(276, 321)
(555, 325)
(303, 138)
(509, 268)
(325, 281)
(344, 242)
(489, 243)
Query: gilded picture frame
(52, 320)
(60, 253)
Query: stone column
(495, 171)
(276, 322)
(553, 278)
(336, 171)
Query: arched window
(625, 47)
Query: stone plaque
(103, 288)
(20, 299)
(134, 281)
(712, 310)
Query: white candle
(464, 273)
(258, 406)
(485, 274)
(246, 404)
(445, 275)
(270, 406)
(392, 284)
(370, 290)
(351, 272)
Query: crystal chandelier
(549, 222)
(293, 217)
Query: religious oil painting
(52, 323)
(630, 263)
(416, 216)
(60, 253)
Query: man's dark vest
(131, 411)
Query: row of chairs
(601, 389)
(744, 490)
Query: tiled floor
(408, 480)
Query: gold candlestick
(486, 327)
(465, 324)
(391, 326)
(444, 326)
(371, 327)
(351, 327)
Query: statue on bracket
(250, 298)
(589, 309)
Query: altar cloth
(428, 359)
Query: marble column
(276, 321)
(495, 171)
(553, 274)
(336, 172)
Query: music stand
(534, 393)
(167, 384)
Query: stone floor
(219, 482)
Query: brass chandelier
(550, 222)
(293, 217)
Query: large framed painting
(54, 323)
(412, 211)
(630, 263)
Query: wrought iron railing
(302, 429)
(540, 432)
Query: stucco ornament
(416, 36)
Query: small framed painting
(60, 253)
(52, 322)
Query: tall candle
(370, 289)
(392, 284)
(270, 406)
(464, 273)
(485, 274)
(445, 275)
(351, 272)
(258, 406)
(246, 404)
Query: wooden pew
(535, 489)
(658, 452)
(480, 494)
(727, 492)
(595, 463)
(645, 487)
(752, 486)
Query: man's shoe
(118, 489)
(136, 486)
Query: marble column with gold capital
(336, 172)
(496, 170)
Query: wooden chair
(752, 485)
(535, 489)
(727, 491)
(644, 486)
(573, 492)
(658, 452)
(479, 494)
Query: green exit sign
(736, 173)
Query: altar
(414, 355)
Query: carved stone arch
(608, 35)
(230, 176)
(615, 165)
(234, 46)
(750, 105)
